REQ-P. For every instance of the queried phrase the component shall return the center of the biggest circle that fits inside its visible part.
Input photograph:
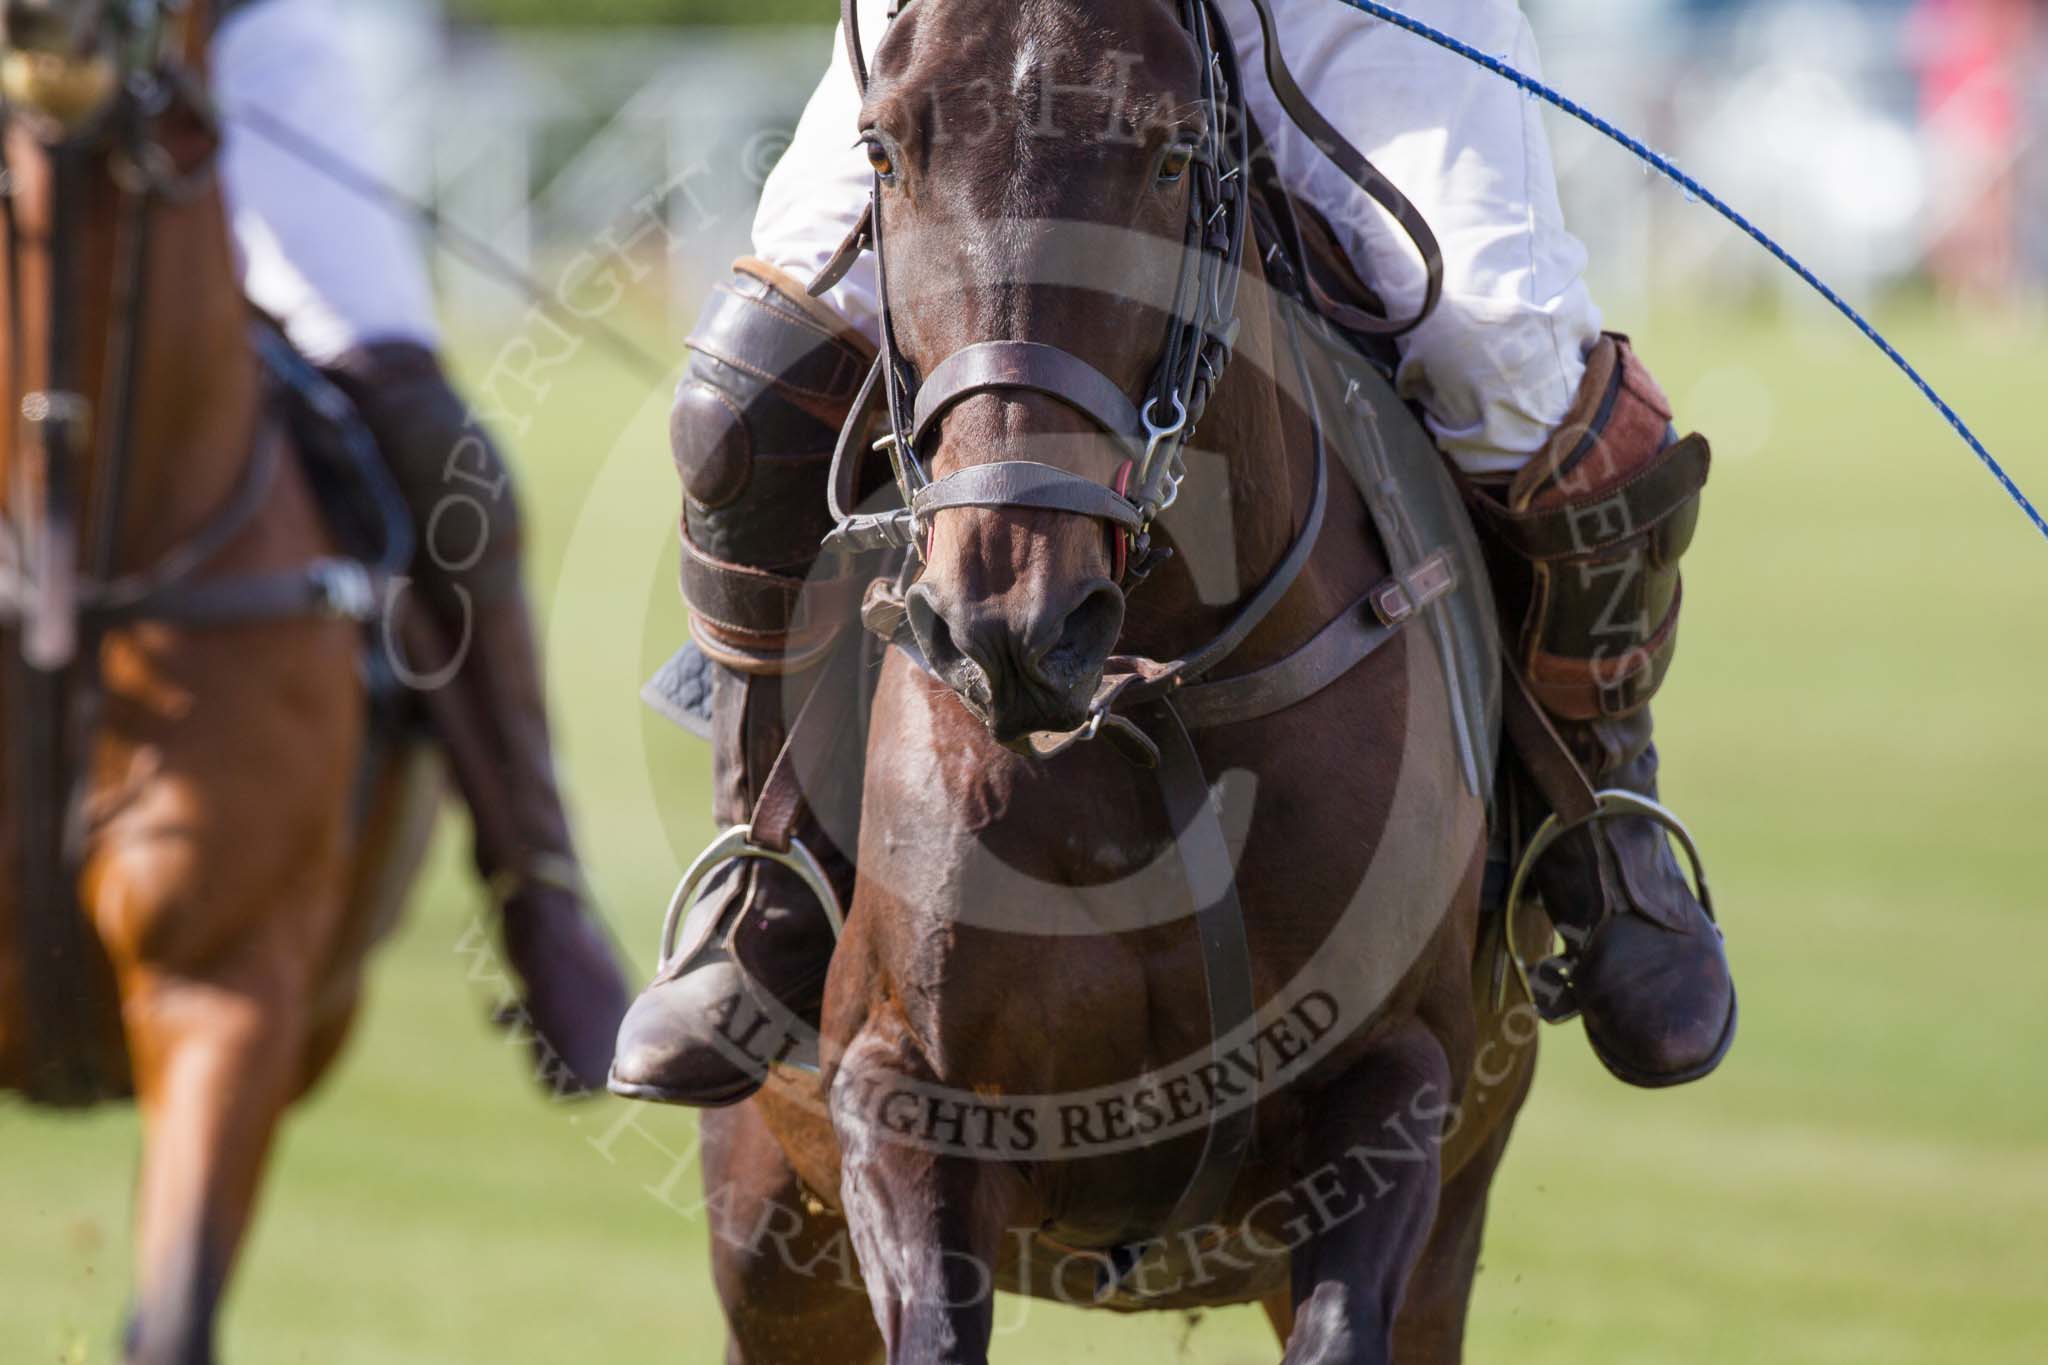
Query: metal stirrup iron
(737, 843)
(1609, 804)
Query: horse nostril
(935, 638)
(1018, 678)
(929, 627)
(1082, 639)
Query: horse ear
(857, 240)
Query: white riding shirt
(1496, 366)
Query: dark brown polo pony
(202, 946)
(1019, 1087)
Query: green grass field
(1856, 730)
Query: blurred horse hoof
(574, 995)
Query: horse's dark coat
(966, 846)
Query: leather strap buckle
(1402, 595)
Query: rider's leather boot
(1586, 540)
(772, 377)
(465, 509)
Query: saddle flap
(680, 691)
(356, 493)
(1418, 512)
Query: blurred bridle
(111, 95)
(104, 94)
(154, 132)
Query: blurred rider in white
(344, 277)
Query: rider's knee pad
(1599, 518)
(772, 376)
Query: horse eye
(1174, 164)
(878, 157)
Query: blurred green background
(1855, 729)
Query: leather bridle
(61, 589)
(1153, 431)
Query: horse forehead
(1112, 47)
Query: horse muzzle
(1019, 665)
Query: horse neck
(197, 388)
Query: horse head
(1034, 171)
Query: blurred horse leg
(783, 1264)
(1279, 1306)
(1431, 1327)
(1373, 1164)
(218, 1057)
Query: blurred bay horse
(1100, 1029)
(198, 852)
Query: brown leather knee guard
(1598, 520)
(772, 375)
